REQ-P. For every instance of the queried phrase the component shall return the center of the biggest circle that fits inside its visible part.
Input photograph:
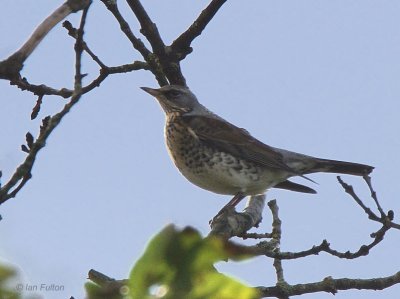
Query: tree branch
(182, 44)
(264, 248)
(276, 236)
(23, 172)
(42, 89)
(149, 29)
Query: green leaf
(179, 264)
(7, 273)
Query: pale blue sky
(317, 77)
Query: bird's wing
(236, 141)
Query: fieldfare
(218, 156)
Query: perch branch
(231, 223)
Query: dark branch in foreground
(331, 285)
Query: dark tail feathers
(288, 185)
(342, 167)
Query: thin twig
(276, 236)
(367, 179)
(385, 219)
(149, 57)
(73, 33)
(78, 53)
(42, 89)
(264, 248)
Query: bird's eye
(173, 93)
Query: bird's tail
(333, 166)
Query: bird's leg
(235, 200)
(232, 203)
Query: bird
(220, 157)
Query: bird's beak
(152, 91)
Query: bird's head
(174, 98)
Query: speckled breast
(209, 168)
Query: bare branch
(11, 67)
